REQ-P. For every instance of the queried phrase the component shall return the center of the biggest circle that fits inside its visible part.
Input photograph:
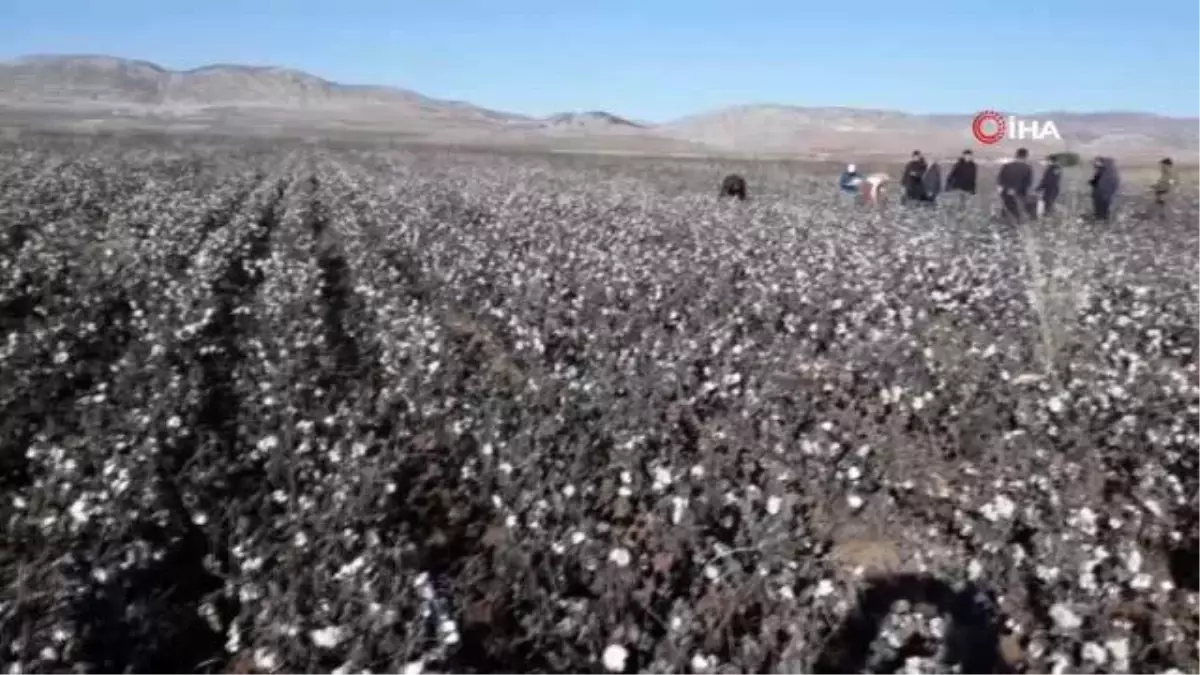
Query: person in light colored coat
(1163, 187)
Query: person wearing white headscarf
(850, 181)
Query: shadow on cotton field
(309, 409)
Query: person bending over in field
(875, 187)
(733, 186)
(850, 183)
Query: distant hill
(839, 131)
(125, 83)
(594, 120)
(105, 92)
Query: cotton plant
(410, 410)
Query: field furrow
(333, 410)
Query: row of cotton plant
(364, 410)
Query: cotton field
(338, 410)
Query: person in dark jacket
(963, 174)
(931, 184)
(733, 186)
(1014, 181)
(1105, 183)
(1163, 187)
(914, 173)
(1050, 185)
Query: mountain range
(88, 93)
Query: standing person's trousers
(1160, 206)
(1031, 207)
(961, 199)
(1048, 199)
(914, 192)
(1014, 207)
(1101, 207)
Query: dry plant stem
(1040, 288)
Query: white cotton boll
(414, 668)
(1133, 561)
(265, 659)
(1064, 618)
(774, 504)
(1095, 653)
(614, 658)
(662, 478)
(620, 557)
(824, 587)
(701, 662)
(974, 569)
(328, 637)
(855, 502)
(917, 665)
(678, 509)
(1119, 650)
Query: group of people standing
(921, 183)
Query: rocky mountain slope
(109, 92)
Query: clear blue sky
(660, 59)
